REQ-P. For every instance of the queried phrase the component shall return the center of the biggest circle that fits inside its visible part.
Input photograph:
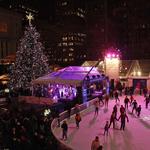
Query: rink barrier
(64, 116)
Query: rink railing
(64, 115)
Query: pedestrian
(145, 91)
(122, 109)
(131, 99)
(116, 96)
(77, 119)
(115, 110)
(123, 118)
(112, 120)
(126, 101)
(64, 127)
(106, 100)
(96, 104)
(106, 128)
(95, 143)
(138, 110)
(134, 106)
(147, 101)
(100, 97)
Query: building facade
(71, 34)
(133, 28)
(10, 32)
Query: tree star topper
(30, 18)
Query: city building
(71, 35)
(131, 19)
(10, 32)
(100, 28)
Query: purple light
(113, 55)
(109, 55)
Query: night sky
(127, 24)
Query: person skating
(64, 127)
(126, 101)
(95, 143)
(123, 118)
(138, 110)
(122, 109)
(77, 119)
(100, 97)
(106, 128)
(147, 100)
(134, 106)
(131, 99)
(106, 100)
(116, 96)
(115, 109)
(96, 104)
(112, 120)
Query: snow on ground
(135, 137)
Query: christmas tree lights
(30, 62)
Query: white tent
(72, 75)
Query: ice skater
(138, 110)
(147, 100)
(96, 108)
(123, 118)
(64, 127)
(77, 119)
(116, 96)
(115, 110)
(134, 106)
(126, 101)
(131, 99)
(106, 101)
(112, 120)
(106, 128)
(122, 109)
(100, 97)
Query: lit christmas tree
(30, 63)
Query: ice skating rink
(136, 135)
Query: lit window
(64, 38)
(64, 50)
(64, 44)
(70, 54)
(84, 56)
(64, 3)
(65, 59)
(70, 44)
(71, 49)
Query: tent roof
(73, 75)
(127, 67)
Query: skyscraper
(10, 32)
(71, 34)
(133, 28)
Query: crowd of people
(129, 100)
(26, 130)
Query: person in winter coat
(123, 118)
(77, 119)
(138, 110)
(64, 127)
(95, 143)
